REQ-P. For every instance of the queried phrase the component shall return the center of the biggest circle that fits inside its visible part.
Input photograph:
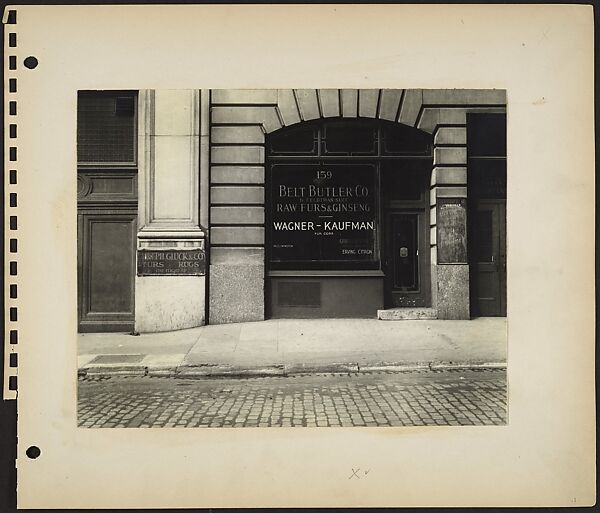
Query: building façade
(220, 206)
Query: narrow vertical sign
(452, 231)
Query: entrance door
(106, 257)
(490, 257)
(407, 260)
(107, 195)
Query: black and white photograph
(300, 255)
(291, 258)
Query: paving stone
(368, 399)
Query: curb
(280, 370)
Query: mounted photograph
(291, 258)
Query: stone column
(168, 214)
(449, 221)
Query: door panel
(490, 258)
(406, 263)
(107, 279)
(405, 273)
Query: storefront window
(323, 215)
(324, 207)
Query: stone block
(443, 156)
(429, 120)
(237, 293)
(405, 314)
(220, 195)
(411, 105)
(237, 235)
(166, 303)
(244, 96)
(457, 116)
(237, 215)
(453, 291)
(176, 112)
(237, 174)
(349, 103)
(451, 135)
(244, 134)
(451, 175)
(451, 192)
(433, 235)
(237, 155)
(288, 109)
(367, 103)
(432, 217)
(259, 115)
(464, 96)
(389, 103)
(330, 102)
(432, 197)
(307, 102)
(237, 256)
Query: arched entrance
(347, 218)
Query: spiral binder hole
(33, 452)
(30, 62)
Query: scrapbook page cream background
(542, 56)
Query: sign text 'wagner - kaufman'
(323, 213)
(169, 262)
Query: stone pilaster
(450, 267)
(169, 212)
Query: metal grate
(294, 293)
(118, 358)
(106, 127)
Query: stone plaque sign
(171, 262)
(452, 231)
(323, 215)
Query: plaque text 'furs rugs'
(169, 262)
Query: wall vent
(299, 293)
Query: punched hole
(30, 62)
(33, 452)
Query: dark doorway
(490, 257)
(106, 210)
(486, 141)
(406, 269)
(406, 239)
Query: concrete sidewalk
(283, 347)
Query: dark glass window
(294, 140)
(401, 140)
(106, 127)
(404, 181)
(342, 138)
(487, 178)
(486, 135)
(349, 137)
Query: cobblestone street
(371, 399)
